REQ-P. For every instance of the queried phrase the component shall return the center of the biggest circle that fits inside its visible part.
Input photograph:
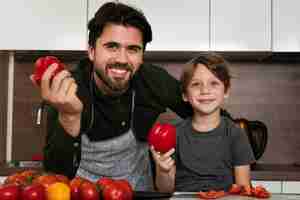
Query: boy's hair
(213, 62)
(120, 14)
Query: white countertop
(233, 197)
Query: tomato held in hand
(42, 63)
(162, 137)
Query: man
(100, 113)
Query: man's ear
(91, 53)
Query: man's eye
(112, 46)
(134, 49)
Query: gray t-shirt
(205, 161)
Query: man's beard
(115, 86)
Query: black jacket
(155, 91)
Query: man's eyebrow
(111, 43)
(135, 46)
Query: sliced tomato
(260, 192)
(235, 189)
(211, 194)
(246, 191)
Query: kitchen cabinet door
(286, 29)
(43, 25)
(241, 25)
(176, 25)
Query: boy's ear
(226, 95)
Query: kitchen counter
(183, 196)
(231, 197)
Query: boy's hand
(164, 162)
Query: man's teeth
(118, 71)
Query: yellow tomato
(58, 191)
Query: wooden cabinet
(176, 25)
(286, 29)
(241, 25)
(43, 25)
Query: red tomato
(45, 180)
(16, 179)
(118, 190)
(246, 191)
(162, 137)
(104, 182)
(260, 192)
(212, 194)
(34, 192)
(235, 189)
(88, 191)
(62, 178)
(42, 63)
(74, 186)
(10, 192)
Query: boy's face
(205, 92)
(117, 55)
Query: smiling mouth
(206, 101)
(118, 73)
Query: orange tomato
(58, 191)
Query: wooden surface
(3, 103)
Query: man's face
(117, 55)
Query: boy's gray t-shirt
(205, 161)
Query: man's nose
(122, 56)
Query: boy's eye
(195, 84)
(215, 83)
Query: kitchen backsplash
(265, 90)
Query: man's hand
(61, 94)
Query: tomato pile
(257, 192)
(33, 185)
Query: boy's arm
(165, 170)
(242, 175)
(165, 181)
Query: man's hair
(213, 62)
(120, 14)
